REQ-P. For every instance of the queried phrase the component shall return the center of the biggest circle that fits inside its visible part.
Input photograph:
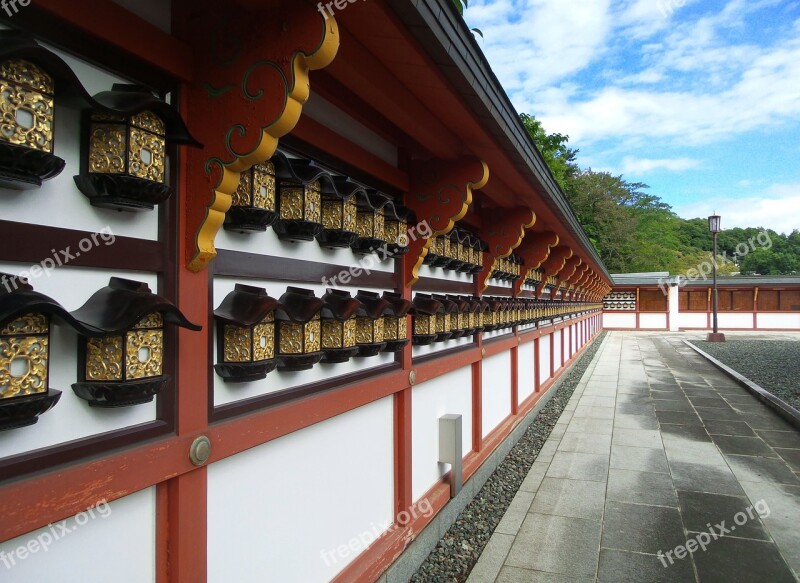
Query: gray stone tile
(718, 427)
(626, 567)
(738, 445)
(704, 478)
(557, 545)
(734, 559)
(535, 476)
(598, 401)
(724, 414)
(755, 469)
(699, 509)
(640, 459)
(492, 559)
(782, 439)
(671, 405)
(586, 443)
(641, 488)
(516, 513)
(627, 421)
(517, 575)
(693, 453)
(691, 433)
(637, 438)
(780, 507)
(579, 466)
(640, 528)
(594, 412)
(588, 425)
(570, 498)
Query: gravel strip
(457, 552)
(773, 364)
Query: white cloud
(775, 209)
(633, 165)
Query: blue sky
(700, 99)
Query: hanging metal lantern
(339, 212)
(444, 319)
(457, 260)
(435, 251)
(299, 198)
(442, 258)
(459, 319)
(25, 322)
(395, 321)
(426, 310)
(370, 223)
(299, 335)
(123, 363)
(396, 225)
(339, 326)
(246, 335)
(124, 159)
(369, 323)
(253, 203)
(27, 122)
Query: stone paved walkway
(654, 451)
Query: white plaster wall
(544, 358)
(333, 118)
(419, 351)
(273, 511)
(59, 203)
(225, 393)
(784, 321)
(658, 321)
(72, 418)
(734, 320)
(692, 320)
(445, 274)
(112, 542)
(496, 396)
(619, 320)
(268, 243)
(557, 349)
(526, 372)
(448, 394)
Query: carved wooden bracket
(554, 264)
(534, 250)
(251, 82)
(441, 192)
(504, 232)
(572, 280)
(570, 267)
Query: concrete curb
(785, 410)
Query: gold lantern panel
(300, 202)
(338, 334)
(24, 356)
(242, 344)
(369, 331)
(138, 354)
(425, 324)
(395, 328)
(298, 338)
(339, 214)
(26, 106)
(257, 188)
(134, 146)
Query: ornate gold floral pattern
(291, 202)
(104, 358)
(332, 213)
(257, 187)
(422, 325)
(154, 320)
(147, 155)
(107, 149)
(313, 335)
(145, 354)
(264, 339)
(369, 331)
(238, 342)
(149, 122)
(32, 352)
(26, 325)
(26, 105)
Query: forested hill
(635, 231)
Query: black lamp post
(714, 222)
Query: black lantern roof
(119, 306)
(339, 305)
(24, 300)
(305, 171)
(246, 306)
(497, 304)
(479, 305)
(462, 304)
(390, 211)
(373, 305)
(298, 305)
(425, 304)
(450, 307)
(123, 100)
(398, 307)
(373, 200)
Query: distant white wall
(619, 320)
(544, 358)
(657, 321)
(785, 321)
(526, 374)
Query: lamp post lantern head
(714, 224)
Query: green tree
(560, 158)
